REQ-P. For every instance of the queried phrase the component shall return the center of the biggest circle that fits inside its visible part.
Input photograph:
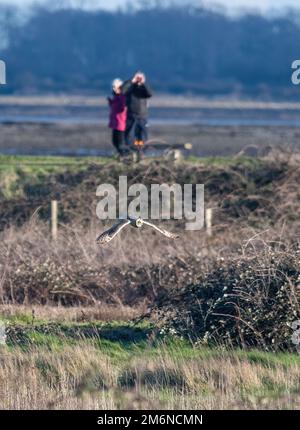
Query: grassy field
(119, 365)
(17, 171)
(72, 310)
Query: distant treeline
(182, 49)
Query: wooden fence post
(208, 221)
(54, 219)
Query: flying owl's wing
(109, 234)
(162, 230)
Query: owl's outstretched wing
(162, 230)
(109, 234)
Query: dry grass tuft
(82, 376)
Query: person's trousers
(118, 140)
(136, 129)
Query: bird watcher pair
(129, 114)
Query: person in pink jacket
(118, 116)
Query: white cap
(117, 83)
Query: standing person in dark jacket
(137, 93)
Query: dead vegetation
(256, 207)
(238, 288)
(256, 190)
(249, 300)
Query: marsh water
(158, 116)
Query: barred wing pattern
(162, 230)
(108, 235)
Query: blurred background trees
(184, 49)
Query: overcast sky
(263, 5)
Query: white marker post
(208, 221)
(2, 73)
(54, 212)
